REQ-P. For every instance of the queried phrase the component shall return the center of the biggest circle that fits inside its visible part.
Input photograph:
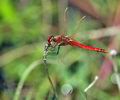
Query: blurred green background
(24, 28)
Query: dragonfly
(62, 40)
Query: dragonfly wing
(78, 44)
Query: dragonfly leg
(58, 49)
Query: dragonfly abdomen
(78, 44)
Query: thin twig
(46, 69)
(65, 19)
(23, 78)
(78, 24)
(91, 84)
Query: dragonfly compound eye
(50, 39)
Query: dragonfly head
(50, 39)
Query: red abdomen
(78, 44)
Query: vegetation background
(24, 28)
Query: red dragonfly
(61, 40)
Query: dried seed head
(66, 89)
(113, 52)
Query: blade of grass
(24, 77)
